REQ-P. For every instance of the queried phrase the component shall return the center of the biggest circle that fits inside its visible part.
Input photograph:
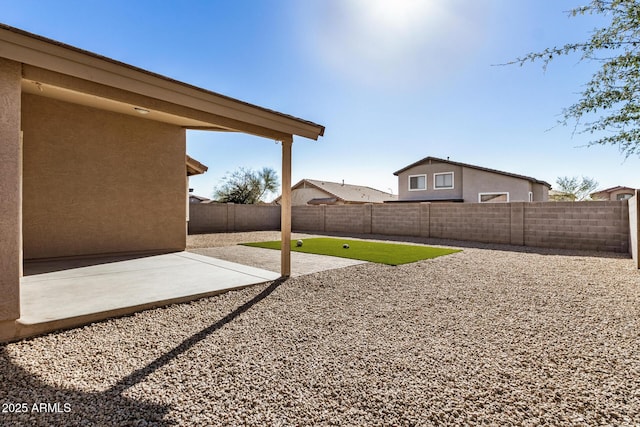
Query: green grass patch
(383, 253)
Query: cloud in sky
(393, 43)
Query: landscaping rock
(487, 336)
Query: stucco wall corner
(8, 330)
(634, 228)
(10, 189)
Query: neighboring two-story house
(437, 180)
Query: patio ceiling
(113, 105)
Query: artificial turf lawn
(364, 250)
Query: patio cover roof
(57, 70)
(60, 71)
(194, 167)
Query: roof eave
(28, 48)
(194, 167)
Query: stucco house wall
(10, 204)
(634, 228)
(540, 192)
(469, 182)
(300, 196)
(478, 181)
(613, 194)
(623, 192)
(431, 192)
(88, 184)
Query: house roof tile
(349, 192)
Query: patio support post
(285, 209)
(10, 190)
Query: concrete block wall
(347, 219)
(256, 217)
(487, 223)
(308, 218)
(601, 226)
(229, 217)
(396, 219)
(208, 218)
(517, 223)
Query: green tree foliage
(608, 107)
(576, 189)
(246, 186)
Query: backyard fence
(602, 226)
(229, 217)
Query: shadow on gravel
(139, 375)
(479, 245)
(21, 390)
(27, 401)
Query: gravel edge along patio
(487, 336)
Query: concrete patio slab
(63, 294)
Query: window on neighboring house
(530, 196)
(443, 180)
(624, 196)
(417, 182)
(493, 197)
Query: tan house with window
(437, 180)
(316, 192)
(614, 193)
(93, 151)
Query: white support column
(285, 209)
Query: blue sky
(393, 81)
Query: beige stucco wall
(300, 196)
(634, 228)
(614, 194)
(478, 181)
(10, 74)
(431, 192)
(540, 193)
(97, 182)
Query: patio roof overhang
(52, 69)
(61, 71)
(194, 167)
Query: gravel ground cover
(486, 336)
